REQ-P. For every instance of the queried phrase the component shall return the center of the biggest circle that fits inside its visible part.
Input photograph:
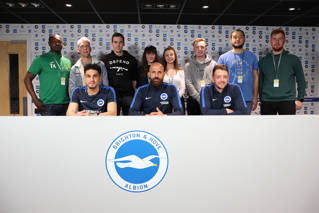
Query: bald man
(156, 98)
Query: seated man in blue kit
(220, 97)
(93, 99)
(156, 98)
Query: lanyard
(240, 63)
(276, 68)
(59, 65)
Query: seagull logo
(135, 162)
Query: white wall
(222, 164)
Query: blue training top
(214, 103)
(93, 103)
(148, 97)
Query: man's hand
(157, 113)
(82, 113)
(228, 111)
(38, 103)
(254, 104)
(298, 105)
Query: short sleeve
(111, 95)
(75, 96)
(35, 67)
(255, 62)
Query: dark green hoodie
(290, 71)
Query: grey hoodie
(197, 75)
(76, 78)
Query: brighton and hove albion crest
(136, 161)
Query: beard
(277, 49)
(156, 82)
(92, 87)
(238, 46)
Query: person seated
(220, 97)
(156, 98)
(92, 99)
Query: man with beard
(122, 73)
(279, 72)
(221, 98)
(156, 98)
(198, 72)
(53, 70)
(93, 99)
(243, 69)
(77, 70)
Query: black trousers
(55, 110)
(124, 103)
(193, 107)
(280, 107)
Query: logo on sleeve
(227, 99)
(100, 102)
(136, 161)
(164, 96)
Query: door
(13, 66)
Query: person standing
(122, 73)
(198, 72)
(53, 70)
(279, 73)
(243, 69)
(77, 70)
(149, 56)
(173, 73)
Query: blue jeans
(55, 109)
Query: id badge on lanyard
(239, 69)
(276, 79)
(240, 79)
(63, 80)
(276, 82)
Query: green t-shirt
(53, 81)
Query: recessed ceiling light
(205, 6)
(68, 5)
(148, 5)
(22, 4)
(160, 5)
(172, 6)
(10, 4)
(34, 4)
(291, 9)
